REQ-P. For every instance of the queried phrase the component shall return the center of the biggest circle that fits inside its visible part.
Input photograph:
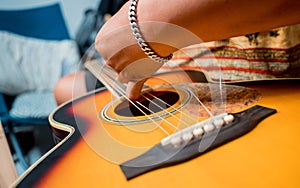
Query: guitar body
(92, 148)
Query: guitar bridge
(198, 129)
(196, 140)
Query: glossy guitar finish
(268, 156)
(161, 155)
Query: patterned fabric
(259, 56)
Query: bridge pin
(228, 118)
(187, 136)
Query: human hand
(118, 47)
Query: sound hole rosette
(117, 111)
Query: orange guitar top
(268, 156)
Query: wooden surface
(8, 173)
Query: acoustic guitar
(106, 141)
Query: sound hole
(152, 102)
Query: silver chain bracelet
(138, 36)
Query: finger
(138, 70)
(134, 89)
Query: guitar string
(169, 106)
(110, 81)
(123, 94)
(201, 103)
(160, 100)
(169, 113)
(173, 108)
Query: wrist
(144, 45)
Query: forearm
(168, 25)
(220, 19)
(207, 19)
